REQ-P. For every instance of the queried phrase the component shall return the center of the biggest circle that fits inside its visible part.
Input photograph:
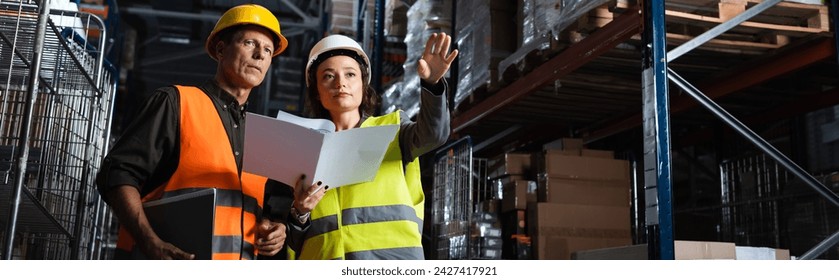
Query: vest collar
(364, 118)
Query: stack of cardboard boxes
(570, 202)
(563, 199)
(583, 200)
(516, 195)
(512, 172)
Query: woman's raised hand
(436, 59)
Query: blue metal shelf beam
(656, 121)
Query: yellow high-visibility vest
(381, 219)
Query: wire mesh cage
(452, 200)
(763, 204)
(53, 131)
(460, 185)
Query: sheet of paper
(283, 150)
(321, 125)
(354, 155)
(280, 150)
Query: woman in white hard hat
(382, 219)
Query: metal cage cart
(460, 187)
(55, 110)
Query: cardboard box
(584, 192)
(695, 250)
(578, 220)
(343, 18)
(631, 252)
(782, 254)
(684, 250)
(539, 158)
(561, 248)
(517, 194)
(564, 144)
(597, 153)
(687, 250)
(760, 253)
(510, 164)
(586, 167)
(569, 227)
(573, 152)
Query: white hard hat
(337, 42)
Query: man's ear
(219, 48)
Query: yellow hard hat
(248, 14)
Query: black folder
(185, 220)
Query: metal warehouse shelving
(55, 106)
(657, 138)
(558, 87)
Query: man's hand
(158, 249)
(126, 203)
(270, 237)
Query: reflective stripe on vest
(381, 219)
(206, 161)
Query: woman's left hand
(436, 59)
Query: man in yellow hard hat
(189, 138)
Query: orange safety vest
(206, 161)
